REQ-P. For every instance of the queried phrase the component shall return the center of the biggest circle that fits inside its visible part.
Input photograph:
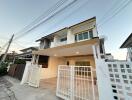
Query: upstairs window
(63, 39)
(91, 34)
(84, 35)
(80, 36)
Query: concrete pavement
(5, 92)
(25, 92)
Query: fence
(114, 79)
(76, 83)
(120, 76)
(16, 70)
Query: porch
(77, 54)
(76, 79)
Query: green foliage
(3, 68)
(19, 61)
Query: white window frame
(83, 37)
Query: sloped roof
(52, 34)
(33, 48)
(128, 42)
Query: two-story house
(69, 46)
(128, 44)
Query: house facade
(75, 59)
(128, 44)
(69, 46)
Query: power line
(62, 20)
(110, 10)
(62, 9)
(4, 45)
(19, 44)
(47, 18)
(117, 12)
(43, 16)
(58, 4)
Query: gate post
(92, 77)
(58, 80)
(72, 82)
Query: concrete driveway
(24, 92)
(5, 92)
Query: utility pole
(0, 51)
(4, 57)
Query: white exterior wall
(70, 37)
(71, 31)
(95, 32)
(53, 63)
(103, 82)
(51, 71)
(53, 44)
(84, 27)
(57, 42)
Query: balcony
(55, 44)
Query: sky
(16, 14)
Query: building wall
(71, 31)
(51, 71)
(84, 27)
(53, 63)
(72, 60)
(70, 37)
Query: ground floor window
(82, 63)
(43, 60)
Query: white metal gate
(76, 83)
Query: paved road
(5, 92)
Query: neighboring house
(128, 44)
(69, 46)
(10, 56)
(26, 53)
